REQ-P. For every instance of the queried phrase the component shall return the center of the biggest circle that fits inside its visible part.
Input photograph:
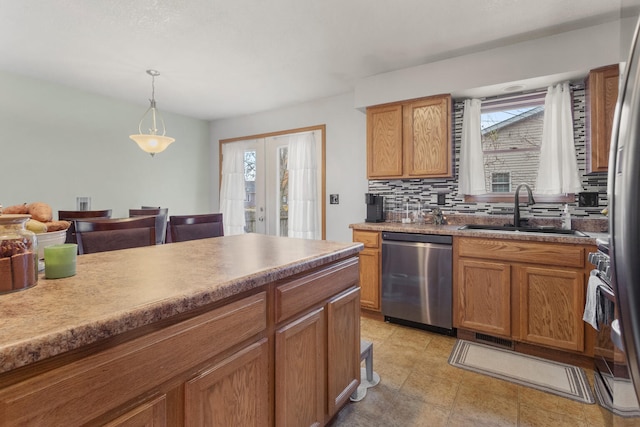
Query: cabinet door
(603, 95)
(427, 137)
(370, 279)
(235, 392)
(300, 371)
(551, 306)
(343, 348)
(384, 141)
(149, 414)
(482, 295)
(369, 268)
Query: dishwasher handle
(420, 238)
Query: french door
(266, 189)
(266, 181)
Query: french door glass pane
(250, 191)
(283, 191)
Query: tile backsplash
(425, 191)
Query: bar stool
(372, 378)
(366, 354)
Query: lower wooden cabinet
(343, 348)
(318, 362)
(551, 305)
(370, 258)
(287, 355)
(300, 371)
(234, 392)
(530, 292)
(483, 296)
(149, 414)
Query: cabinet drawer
(566, 255)
(297, 295)
(83, 390)
(371, 239)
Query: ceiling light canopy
(152, 142)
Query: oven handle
(603, 287)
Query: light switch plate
(334, 199)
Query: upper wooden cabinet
(384, 141)
(410, 139)
(602, 95)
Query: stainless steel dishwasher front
(417, 280)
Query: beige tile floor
(419, 388)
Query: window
(511, 135)
(500, 182)
(511, 128)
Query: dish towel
(591, 306)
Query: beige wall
(57, 143)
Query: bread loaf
(40, 211)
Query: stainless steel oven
(613, 387)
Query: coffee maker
(375, 204)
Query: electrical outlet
(334, 199)
(441, 199)
(588, 199)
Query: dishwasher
(417, 281)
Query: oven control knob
(595, 258)
(602, 263)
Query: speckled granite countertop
(454, 230)
(118, 291)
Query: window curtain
(558, 170)
(303, 194)
(232, 192)
(471, 174)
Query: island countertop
(118, 291)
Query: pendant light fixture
(152, 142)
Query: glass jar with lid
(18, 254)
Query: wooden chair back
(161, 220)
(72, 215)
(193, 227)
(110, 234)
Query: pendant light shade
(152, 142)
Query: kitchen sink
(542, 229)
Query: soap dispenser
(566, 218)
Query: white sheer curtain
(471, 173)
(303, 187)
(558, 170)
(232, 192)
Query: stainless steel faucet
(516, 208)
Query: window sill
(509, 198)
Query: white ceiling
(223, 58)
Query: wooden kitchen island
(246, 330)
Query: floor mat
(626, 404)
(545, 375)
